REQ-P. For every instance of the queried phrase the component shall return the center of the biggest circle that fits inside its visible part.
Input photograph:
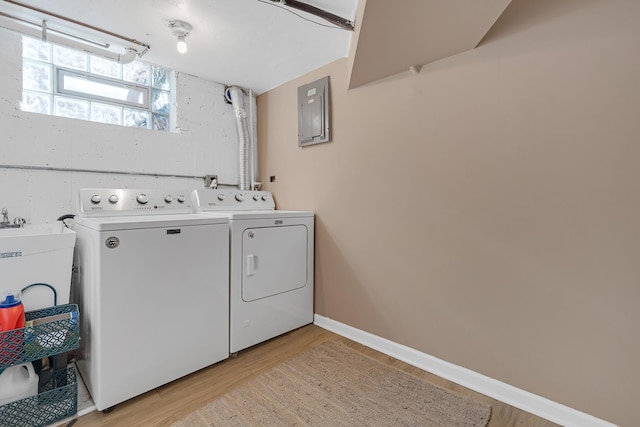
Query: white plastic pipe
(40, 31)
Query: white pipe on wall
(41, 31)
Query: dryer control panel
(117, 202)
(209, 199)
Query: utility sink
(37, 253)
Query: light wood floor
(173, 401)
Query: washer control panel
(116, 202)
(209, 199)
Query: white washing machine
(271, 264)
(153, 290)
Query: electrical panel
(314, 121)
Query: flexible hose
(237, 100)
(55, 294)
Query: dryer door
(274, 260)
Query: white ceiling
(250, 43)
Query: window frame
(161, 119)
(59, 72)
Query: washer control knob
(256, 197)
(221, 196)
(96, 198)
(181, 198)
(265, 198)
(142, 198)
(168, 198)
(113, 198)
(239, 197)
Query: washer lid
(149, 221)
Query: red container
(11, 317)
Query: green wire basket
(47, 332)
(53, 402)
(41, 340)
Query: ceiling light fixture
(180, 30)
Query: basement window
(65, 82)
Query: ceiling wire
(271, 3)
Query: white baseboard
(498, 390)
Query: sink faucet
(5, 216)
(5, 223)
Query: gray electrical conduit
(155, 175)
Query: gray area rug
(332, 385)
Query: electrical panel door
(314, 121)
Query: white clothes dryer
(153, 290)
(271, 264)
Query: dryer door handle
(252, 264)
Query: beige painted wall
(487, 210)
